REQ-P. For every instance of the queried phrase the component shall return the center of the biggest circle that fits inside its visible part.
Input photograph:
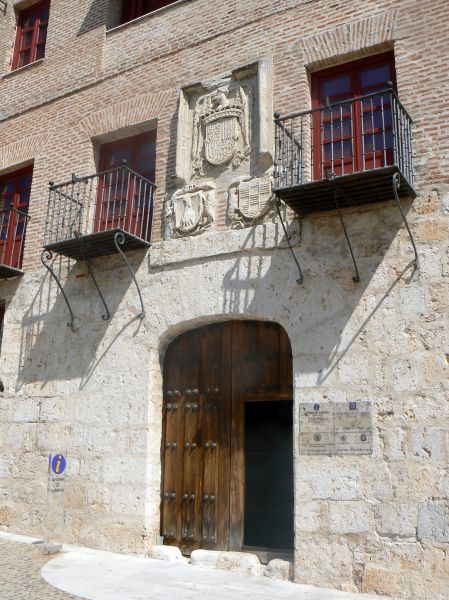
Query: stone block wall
(377, 523)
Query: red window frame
(130, 144)
(13, 224)
(113, 190)
(31, 37)
(132, 9)
(353, 70)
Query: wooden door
(209, 375)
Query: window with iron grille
(353, 136)
(132, 9)
(122, 201)
(15, 190)
(31, 35)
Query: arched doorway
(227, 449)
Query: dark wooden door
(210, 375)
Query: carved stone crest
(225, 122)
(221, 128)
(190, 210)
(250, 200)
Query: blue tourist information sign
(58, 463)
(54, 522)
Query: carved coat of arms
(190, 210)
(250, 199)
(221, 128)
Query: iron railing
(115, 199)
(13, 225)
(350, 136)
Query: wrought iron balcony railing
(13, 225)
(359, 142)
(85, 214)
(98, 215)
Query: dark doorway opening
(268, 470)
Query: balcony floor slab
(365, 187)
(96, 244)
(6, 272)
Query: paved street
(85, 574)
(20, 574)
(107, 576)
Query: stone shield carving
(190, 210)
(250, 200)
(221, 128)
(221, 136)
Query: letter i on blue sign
(58, 464)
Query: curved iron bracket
(119, 240)
(47, 255)
(335, 190)
(396, 186)
(107, 315)
(287, 237)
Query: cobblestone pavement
(20, 574)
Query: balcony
(87, 216)
(98, 215)
(355, 149)
(13, 225)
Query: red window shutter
(15, 190)
(119, 204)
(31, 35)
(137, 152)
(344, 137)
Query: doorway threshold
(265, 555)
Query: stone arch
(177, 329)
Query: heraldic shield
(221, 135)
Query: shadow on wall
(50, 350)
(323, 317)
(97, 16)
(329, 312)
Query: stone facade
(374, 523)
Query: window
(356, 135)
(137, 152)
(15, 189)
(123, 196)
(136, 8)
(31, 35)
